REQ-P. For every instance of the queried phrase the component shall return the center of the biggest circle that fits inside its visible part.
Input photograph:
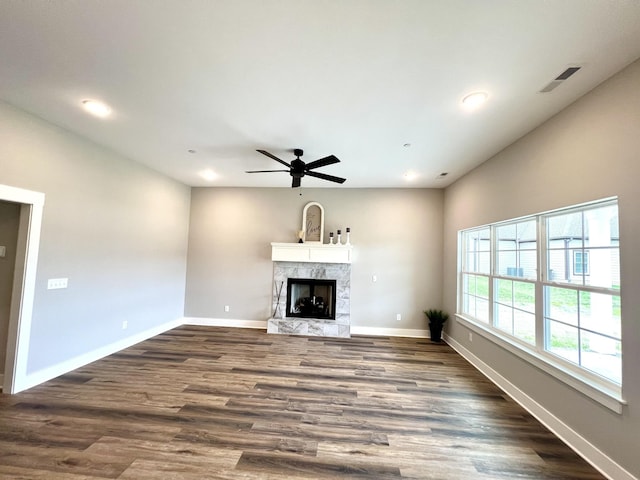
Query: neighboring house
(569, 262)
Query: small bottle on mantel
(330, 238)
(348, 236)
(339, 242)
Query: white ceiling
(353, 78)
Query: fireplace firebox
(311, 298)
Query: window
(550, 284)
(516, 247)
(514, 309)
(580, 262)
(475, 284)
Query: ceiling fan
(298, 169)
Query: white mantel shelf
(310, 252)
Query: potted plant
(437, 318)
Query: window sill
(608, 397)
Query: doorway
(9, 224)
(22, 211)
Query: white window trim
(601, 390)
(610, 397)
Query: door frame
(24, 284)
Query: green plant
(436, 317)
(436, 322)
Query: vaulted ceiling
(197, 85)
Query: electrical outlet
(125, 324)
(226, 308)
(55, 283)
(398, 317)
(470, 337)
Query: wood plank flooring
(219, 403)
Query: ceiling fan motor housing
(297, 168)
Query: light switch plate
(3, 251)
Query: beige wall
(9, 221)
(396, 233)
(589, 151)
(115, 229)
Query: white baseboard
(389, 332)
(598, 459)
(41, 376)
(225, 322)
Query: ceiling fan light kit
(298, 168)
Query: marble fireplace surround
(320, 262)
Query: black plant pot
(435, 332)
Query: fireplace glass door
(311, 298)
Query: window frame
(597, 386)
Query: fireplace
(311, 298)
(311, 290)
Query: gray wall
(116, 229)
(589, 151)
(9, 222)
(396, 233)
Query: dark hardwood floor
(219, 403)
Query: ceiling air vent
(559, 79)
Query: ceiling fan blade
(324, 176)
(264, 171)
(296, 182)
(264, 152)
(330, 160)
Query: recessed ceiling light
(475, 99)
(410, 175)
(97, 108)
(208, 174)
(191, 150)
(406, 145)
